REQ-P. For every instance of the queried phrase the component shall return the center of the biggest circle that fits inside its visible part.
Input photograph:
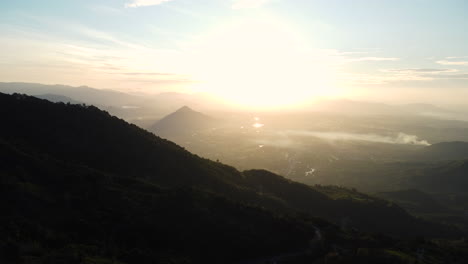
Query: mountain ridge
(124, 149)
(117, 175)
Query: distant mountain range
(168, 101)
(164, 103)
(139, 109)
(80, 185)
(85, 94)
(55, 98)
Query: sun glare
(261, 64)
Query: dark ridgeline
(81, 186)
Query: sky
(251, 52)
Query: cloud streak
(419, 70)
(454, 61)
(388, 76)
(99, 59)
(372, 59)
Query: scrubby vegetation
(80, 186)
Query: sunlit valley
(244, 132)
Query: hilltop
(184, 121)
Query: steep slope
(183, 122)
(349, 208)
(92, 138)
(60, 212)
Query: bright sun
(261, 64)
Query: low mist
(288, 139)
(400, 138)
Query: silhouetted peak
(185, 109)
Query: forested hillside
(81, 186)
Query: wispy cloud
(380, 79)
(454, 61)
(100, 59)
(461, 76)
(148, 74)
(372, 59)
(139, 3)
(387, 76)
(425, 74)
(419, 70)
(243, 4)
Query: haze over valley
(243, 131)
